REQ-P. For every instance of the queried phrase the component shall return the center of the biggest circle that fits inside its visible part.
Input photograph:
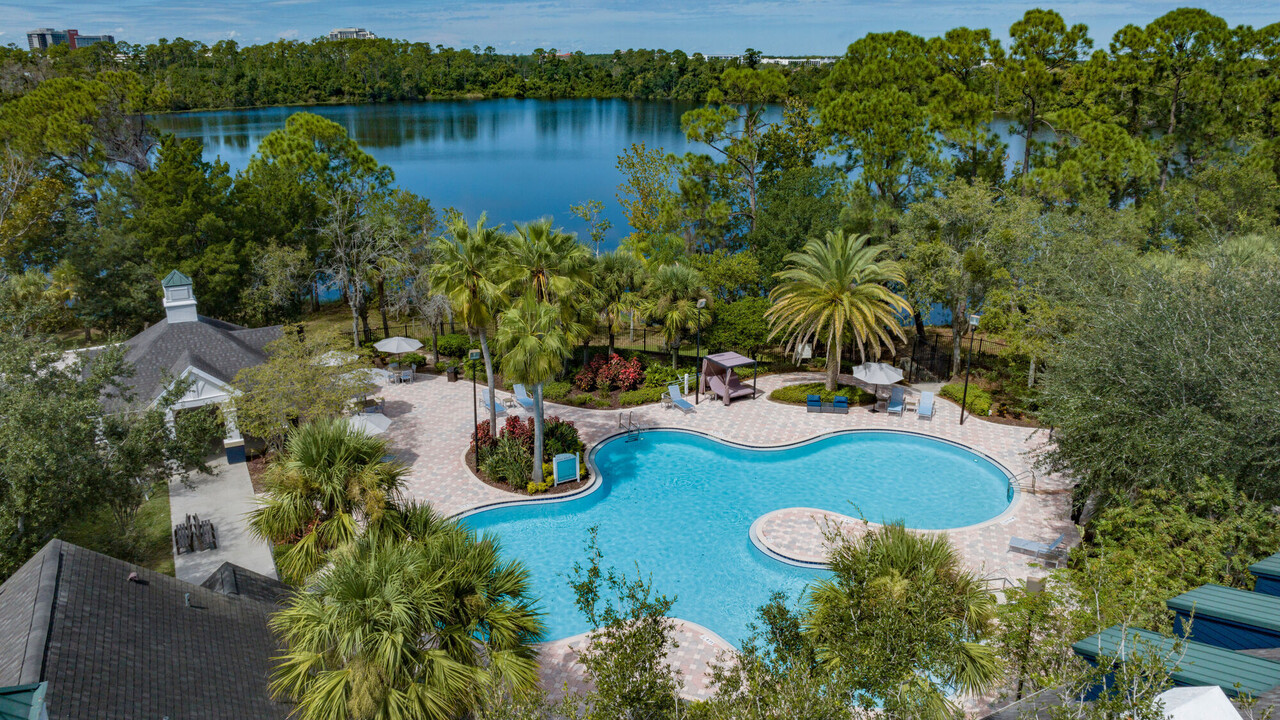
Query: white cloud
(290, 34)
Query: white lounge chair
(522, 397)
(489, 403)
(925, 408)
(684, 405)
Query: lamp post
(697, 370)
(964, 398)
(475, 408)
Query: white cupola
(179, 299)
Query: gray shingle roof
(110, 648)
(221, 349)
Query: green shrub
(641, 397)
(509, 462)
(798, 394)
(443, 366)
(556, 391)
(979, 401)
(412, 359)
(660, 375)
(560, 436)
(455, 345)
(600, 402)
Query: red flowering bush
(521, 431)
(587, 377)
(609, 373)
(484, 436)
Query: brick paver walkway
(433, 422)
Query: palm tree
(619, 277)
(548, 261)
(833, 285)
(329, 480)
(466, 272)
(671, 298)
(903, 622)
(534, 339)
(416, 624)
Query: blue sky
(773, 26)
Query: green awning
(1216, 601)
(22, 702)
(1200, 664)
(1268, 566)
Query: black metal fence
(929, 357)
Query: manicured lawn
(150, 545)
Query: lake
(518, 160)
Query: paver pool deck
(432, 426)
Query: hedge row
(799, 394)
(979, 400)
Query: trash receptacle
(452, 373)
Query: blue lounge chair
(813, 403)
(1041, 551)
(522, 397)
(487, 402)
(925, 408)
(897, 400)
(840, 404)
(674, 392)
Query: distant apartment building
(44, 38)
(351, 34)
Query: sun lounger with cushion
(897, 398)
(684, 405)
(487, 402)
(522, 396)
(1038, 549)
(925, 409)
(813, 403)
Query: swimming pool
(680, 505)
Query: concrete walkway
(224, 498)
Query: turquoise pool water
(679, 505)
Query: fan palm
(534, 340)
(418, 624)
(548, 261)
(835, 285)
(328, 481)
(465, 271)
(619, 278)
(671, 298)
(903, 622)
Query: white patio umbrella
(877, 373)
(369, 423)
(376, 376)
(397, 345)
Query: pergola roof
(730, 360)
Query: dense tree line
(184, 75)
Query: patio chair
(840, 404)
(406, 376)
(925, 408)
(522, 396)
(813, 403)
(897, 398)
(1041, 551)
(487, 402)
(684, 405)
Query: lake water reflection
(518, 160)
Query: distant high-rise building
(44, 38)
(351, 34)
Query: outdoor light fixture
(973, 331)
(697, 369)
